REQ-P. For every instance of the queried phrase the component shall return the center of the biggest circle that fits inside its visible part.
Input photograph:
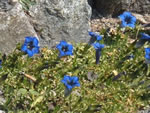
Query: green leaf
(33, 92)
(22, 91)
(38, 100)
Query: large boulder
(56, 20)
(115, 7)
(14, 26)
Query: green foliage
(27, 3)
(104, 94)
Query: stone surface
(56, 20)
(14, 26)
(6, 5)
(98, 23)
(104, 23)
(144, 111)
(116, 7)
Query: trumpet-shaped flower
(145, 36)
(98, 47)
(64, 49)
(128, 20)
(30, 46)
(98, 37)
(70, 82)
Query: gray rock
(14, 26)
(6, 5)
(115, 7)
(56, 20)
(144, 111)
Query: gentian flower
(70, 82)
(145, 36)
(147, 53)
(98, 37)
(98, 47)
(127, 20)
(0, 63)
(30, 46)
(64, 49)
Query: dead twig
(29, 76)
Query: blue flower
(98, 37)
(70, 82)
(147, 54)
(64, 49)
(145, 36)
(98, 47)
(0, 63)
(30, 46)
(127, 20)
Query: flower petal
(75, 79)
(66, 79)
(123, 24)
(131, 25)
(68, 53)
(99, 37)
(35, 50)
(30, 53)
(147, 53)
(78, 84)
(24, 48)
(98, 45)
(145, 36)
(28, 39)
(122, 17)
(61, 53)
(63, 43)
(69, 87)
(92, 34)
(35, 41)
(133, 19)
(59, 47)
(70, 47)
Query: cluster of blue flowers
(128, 20)
(31, 47)
(146, 37)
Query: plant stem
(70, 102)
